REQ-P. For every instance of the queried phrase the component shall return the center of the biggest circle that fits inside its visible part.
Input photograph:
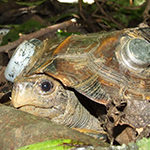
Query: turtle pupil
(46, 86)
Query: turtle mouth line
(50, 112)
(33, 106)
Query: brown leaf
(126, 136)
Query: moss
(25, 28)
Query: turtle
(109, 68)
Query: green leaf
(35, 3)
(60, 144)
(61, 33)
(144, 144)
(138, 2)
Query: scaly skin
(59, 104)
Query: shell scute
(91, 64)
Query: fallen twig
(37, 34)
(146, 14)
(120, 26)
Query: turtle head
(40, 95)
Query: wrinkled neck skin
(59, 105)
(76, 116)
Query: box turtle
(109, 68)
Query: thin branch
(37, 34)
(81, 10)
(146, 13)
(120, 26)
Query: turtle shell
(96, 65)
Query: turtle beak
(20, 97)
(25, 93)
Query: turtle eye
(46, 86)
